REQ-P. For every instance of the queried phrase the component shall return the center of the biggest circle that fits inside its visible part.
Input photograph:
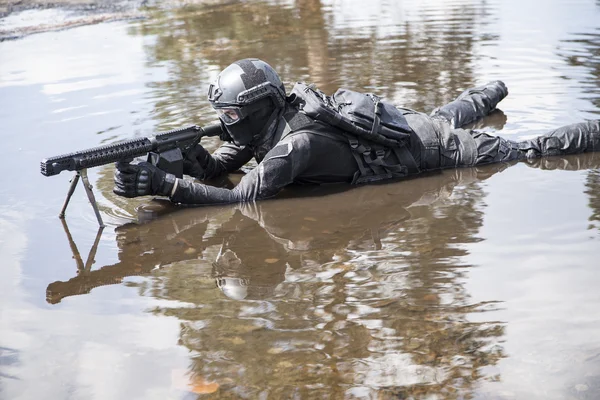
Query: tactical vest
(371, 127)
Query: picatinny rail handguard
(165, 150)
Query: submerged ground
(476, 283)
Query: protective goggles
(232, 114)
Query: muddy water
(475, 283)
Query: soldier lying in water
(247, 234)
(294, 142)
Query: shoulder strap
(297, 121)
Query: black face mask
(252, 127)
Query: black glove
(195, 162)
(143, 179)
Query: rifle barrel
(131, 148)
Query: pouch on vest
(368, 111)
(359, 114)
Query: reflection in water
(334, 298)
(358, 292)
(416, 55)
(583, 52)
(593, 191)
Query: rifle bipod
(82, 173)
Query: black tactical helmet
(247, 95)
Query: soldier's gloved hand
(195, 161)
(143, 179)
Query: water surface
(476, 283)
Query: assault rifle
(165, 150)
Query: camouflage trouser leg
(464, 148)
(472, 104)
(577, 138)
(439, 143)
(570, 139)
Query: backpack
(360, 114)
(370, 125)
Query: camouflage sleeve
(280, 167)
(227, 158)
(231, 157)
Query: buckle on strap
(356, 146)
(366, 151)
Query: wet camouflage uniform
(310, 152)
